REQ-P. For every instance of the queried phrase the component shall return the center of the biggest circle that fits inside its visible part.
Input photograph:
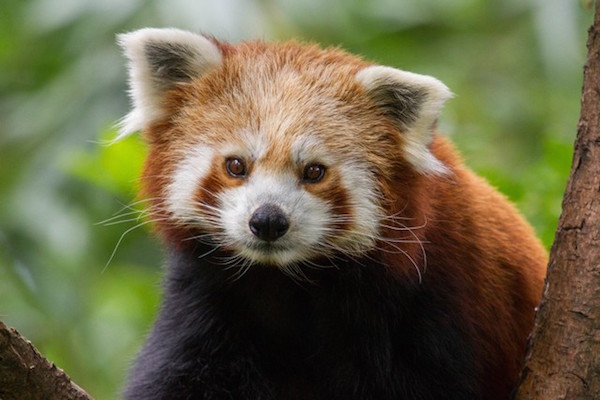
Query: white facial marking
(249, 146)
(309, 149)
(306, 214)
(185, 182)
(366, 210)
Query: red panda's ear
(414, 102)
(159, 59)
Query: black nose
(268, 223)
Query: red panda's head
(276, 153)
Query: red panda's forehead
(280, 93)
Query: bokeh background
(79, 270)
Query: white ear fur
(159, 59)
(414, 101)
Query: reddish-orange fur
(482, 246)
(488, 251)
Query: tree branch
(26, 375)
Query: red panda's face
(275, 205)
(275, 154)
(277, 178)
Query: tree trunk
(563, 361)
(26, 375)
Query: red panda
(324, 241)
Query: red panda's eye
(235, 167)
(313, 173)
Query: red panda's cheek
(214, 183)
(356, 207)
(207, 191)
(332, 192)
(192, 184)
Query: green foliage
(115, 167)
(79, 270)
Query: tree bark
(26, 375)
(563, 361)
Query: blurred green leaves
(113, 166)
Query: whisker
(209, 252)
(120, 240)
